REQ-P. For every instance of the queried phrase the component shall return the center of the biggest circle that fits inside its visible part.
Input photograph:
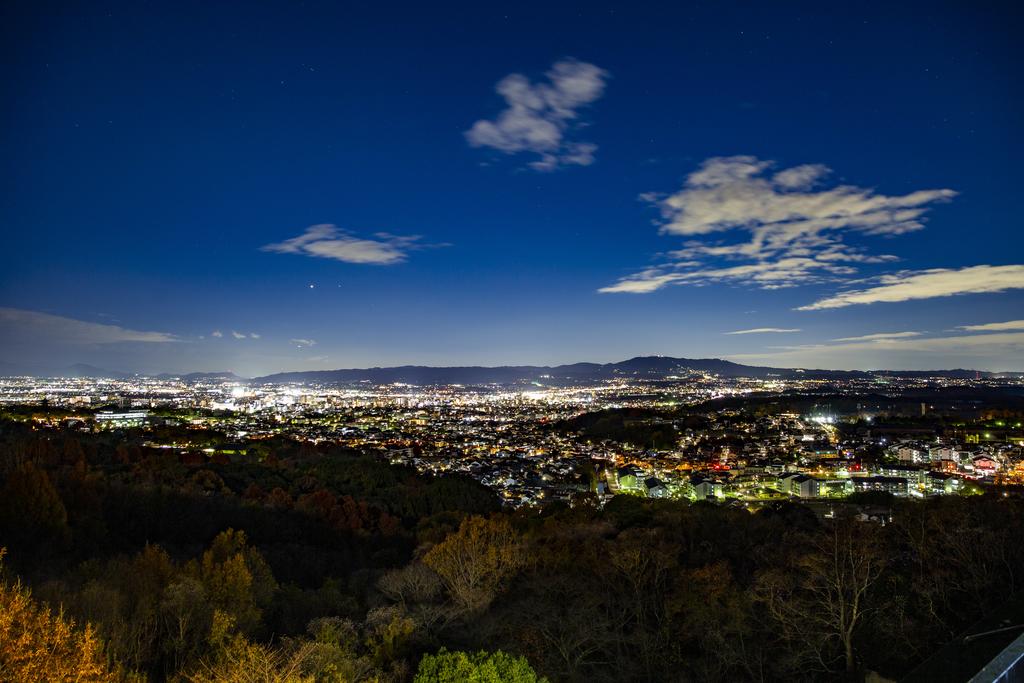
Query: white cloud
(254, 335)
(217, 333)
(329, 241)
(775, 230)
(800, 177)
(879, 336)
(538, 116)
(928, 284)
(19, 324)
(733, 192)
(237, 335)
(303, 343)
(643, 282)
(766, 275)
(999, 351)
(995, 327)
(762, 330)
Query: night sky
(282, 186)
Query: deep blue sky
(153, 149)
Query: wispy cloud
(235, 334)
(16, 323)
(928, 284)
(539, 116)
(329, 241)
(879, 336)
(764, 330)
(998, 351)
(303, 343)
(776, 228)
(994, 327)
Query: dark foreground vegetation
(303, 563)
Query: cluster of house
(915, 465)
(948, 458)
(633, 479)
(899, 480)
(753, 482)
(520, 477)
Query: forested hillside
(310, 563)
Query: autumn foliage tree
(37, 644)
(476, 561)
(236, 578)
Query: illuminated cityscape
(528, 444)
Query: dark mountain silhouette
(641, 367)
(86, 370)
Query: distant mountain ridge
(647, 367)
(86, 370)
